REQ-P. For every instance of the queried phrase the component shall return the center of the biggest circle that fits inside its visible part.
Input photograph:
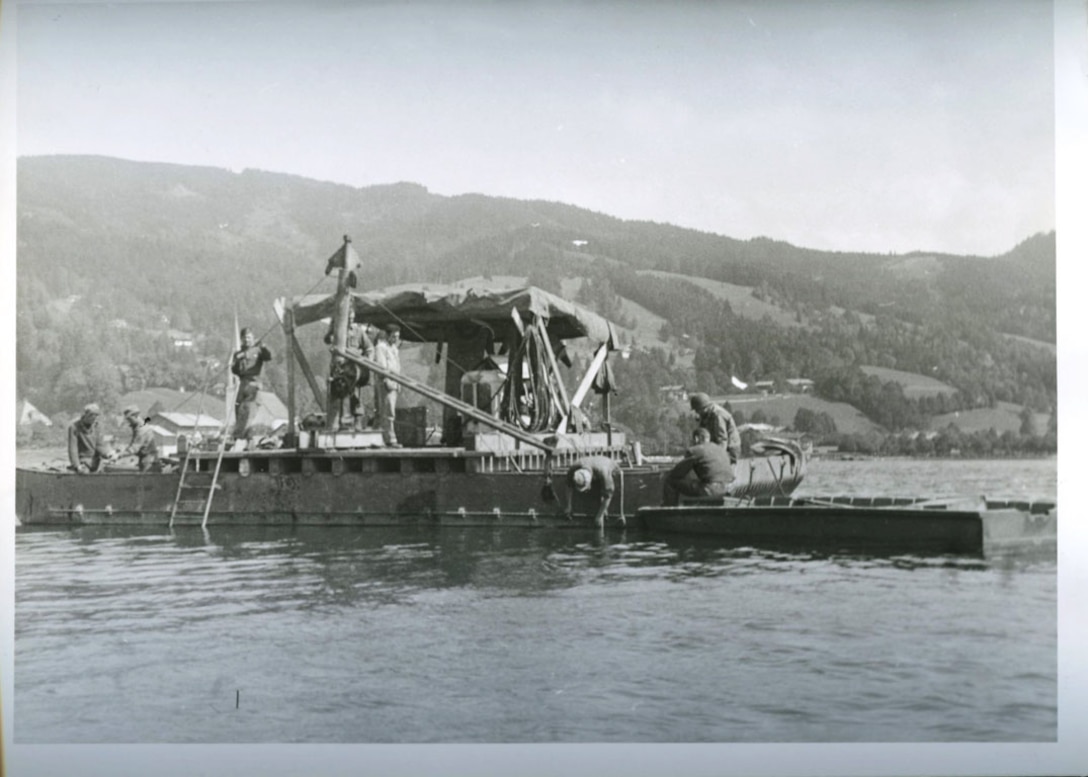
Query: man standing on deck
(348, 378)
(719, 423)
(246, 363)
(387, 355)
(143, 446)
(705, 470)
(87, 447)
(597, 472)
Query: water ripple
(476, 636)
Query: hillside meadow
(1004, 417)
(914, 385)
(848, 419)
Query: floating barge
(430, 485)
(488, 461)
(979, 527)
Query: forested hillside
(113, 255)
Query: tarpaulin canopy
(437, 312)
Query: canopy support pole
(587, 381)
(553, 366)
(296, 348)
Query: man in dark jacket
(719, 423)
(246, 363)
(705, 470)
(87, 447)
(143, 446)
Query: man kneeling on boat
(599, 472)
(143, 446)
(705, 470)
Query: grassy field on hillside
(647, 325)
(848, 419)
(1004, 417)
(914, 385)
(740, 298)
(1034, 343)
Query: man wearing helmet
(596, 472)
(719, 423)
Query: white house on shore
(173, 414)
(168, 427)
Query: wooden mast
(288, 322)
(345, 278)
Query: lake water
(535, 636)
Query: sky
(859, 125)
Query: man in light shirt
(387, 355)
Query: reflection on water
(517, 559)
(519, 635)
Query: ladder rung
(204, 484)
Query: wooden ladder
(205, 501)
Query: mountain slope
(90, 218)
(104, 242)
